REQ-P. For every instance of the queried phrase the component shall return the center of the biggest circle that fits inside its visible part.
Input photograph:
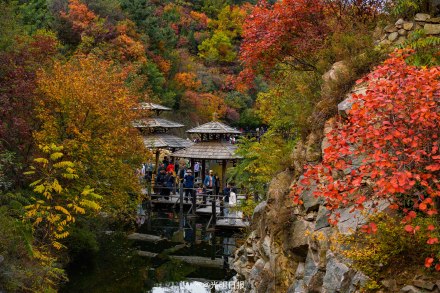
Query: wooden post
(181, 205)
(214, 215)
(194, 201)
(203, 170)
(224, 163)
(156, 167)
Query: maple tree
(388, 148)
(18, 83)
(289, 31)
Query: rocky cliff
(288, 249)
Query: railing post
(193, 200)
(214, 216)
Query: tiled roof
(211, 150)
(152, 106)
(214, 127)
(156, 122)
(162, 140)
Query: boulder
(334, 274)
(298, 287)
(310, 268)
(299, 240)
(259, 209)
(410, 289)
(402, 32)
(393, 36)
(391, 28)
(424, 284)
(299, 274)
(310, 202)
(399, 23)
(345, 106)
(432, 29)
(266, 246)
(390, 284)
(434, 20)
(408, 26)
(322, 218)
(422, 17)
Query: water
(119, 268)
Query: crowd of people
(172, 173)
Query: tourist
(188, 184)
(165, 162)
(160, 182)
(226, 193)
(148, 170)
(209, 184)
(169, 184)
(197, 169)
(217, 184)
(232, 204)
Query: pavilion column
(224, 163)
(156, 166)
(203, 170)
(192, 165)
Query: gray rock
(266, 246)
(432, 29)
(402, 32)
(334, 274)
(389, 284)
(408, 26)
(297, 287)
(422, 17)
(410, 289)
(310, 202)
(259, 209)
(322, 218)
(345, 106)
(299, 239)
(316, 283)
(310, 268)
(393, 36)
(256, 269)
(399, 23)
(424, 284)
(391, 28)
(2, 258)
(299, 274)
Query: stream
(177, 256)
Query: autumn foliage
(290, 28)
(388, 148)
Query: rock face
(395, 34)
(288, 249)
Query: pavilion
(214, 145)
(155, 131)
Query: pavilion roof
(152, 106)
(214, 127)
(211, 150)
(162, 140)
(155, 123)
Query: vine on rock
(387, 149)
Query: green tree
(217, 48)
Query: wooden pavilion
(214, 145)
(155, 131)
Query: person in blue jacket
(209, 184)
(188, 184)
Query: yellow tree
(56, 200)
(85, 107)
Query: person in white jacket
(232, 203)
